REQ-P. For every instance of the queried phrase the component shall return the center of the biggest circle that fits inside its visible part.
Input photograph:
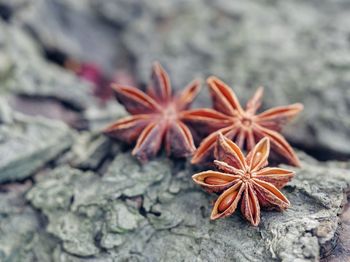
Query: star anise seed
(244, 180)
(245, 127)
(156, 117)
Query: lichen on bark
(153, 213)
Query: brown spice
(244, 180)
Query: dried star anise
(244, 180)
(156, 117)
(245, 127)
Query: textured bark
(153, 213)
(94, 202)
(25, 72)
(27, 143)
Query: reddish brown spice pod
(157, 117)
(245, 127)
(244, 180)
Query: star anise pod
(245, 127)
(156, 117)
(244, 180)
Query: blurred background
(298, 50)
(58, 58)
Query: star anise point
(157, 117)
(245, 127)
(244, 180)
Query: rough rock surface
(27, 143)
(89, 151)
(154, 213)
(23, 71)
(22, 237)
(99, 117)
(76, 28)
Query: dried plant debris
(28, 143)
(144, 213)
